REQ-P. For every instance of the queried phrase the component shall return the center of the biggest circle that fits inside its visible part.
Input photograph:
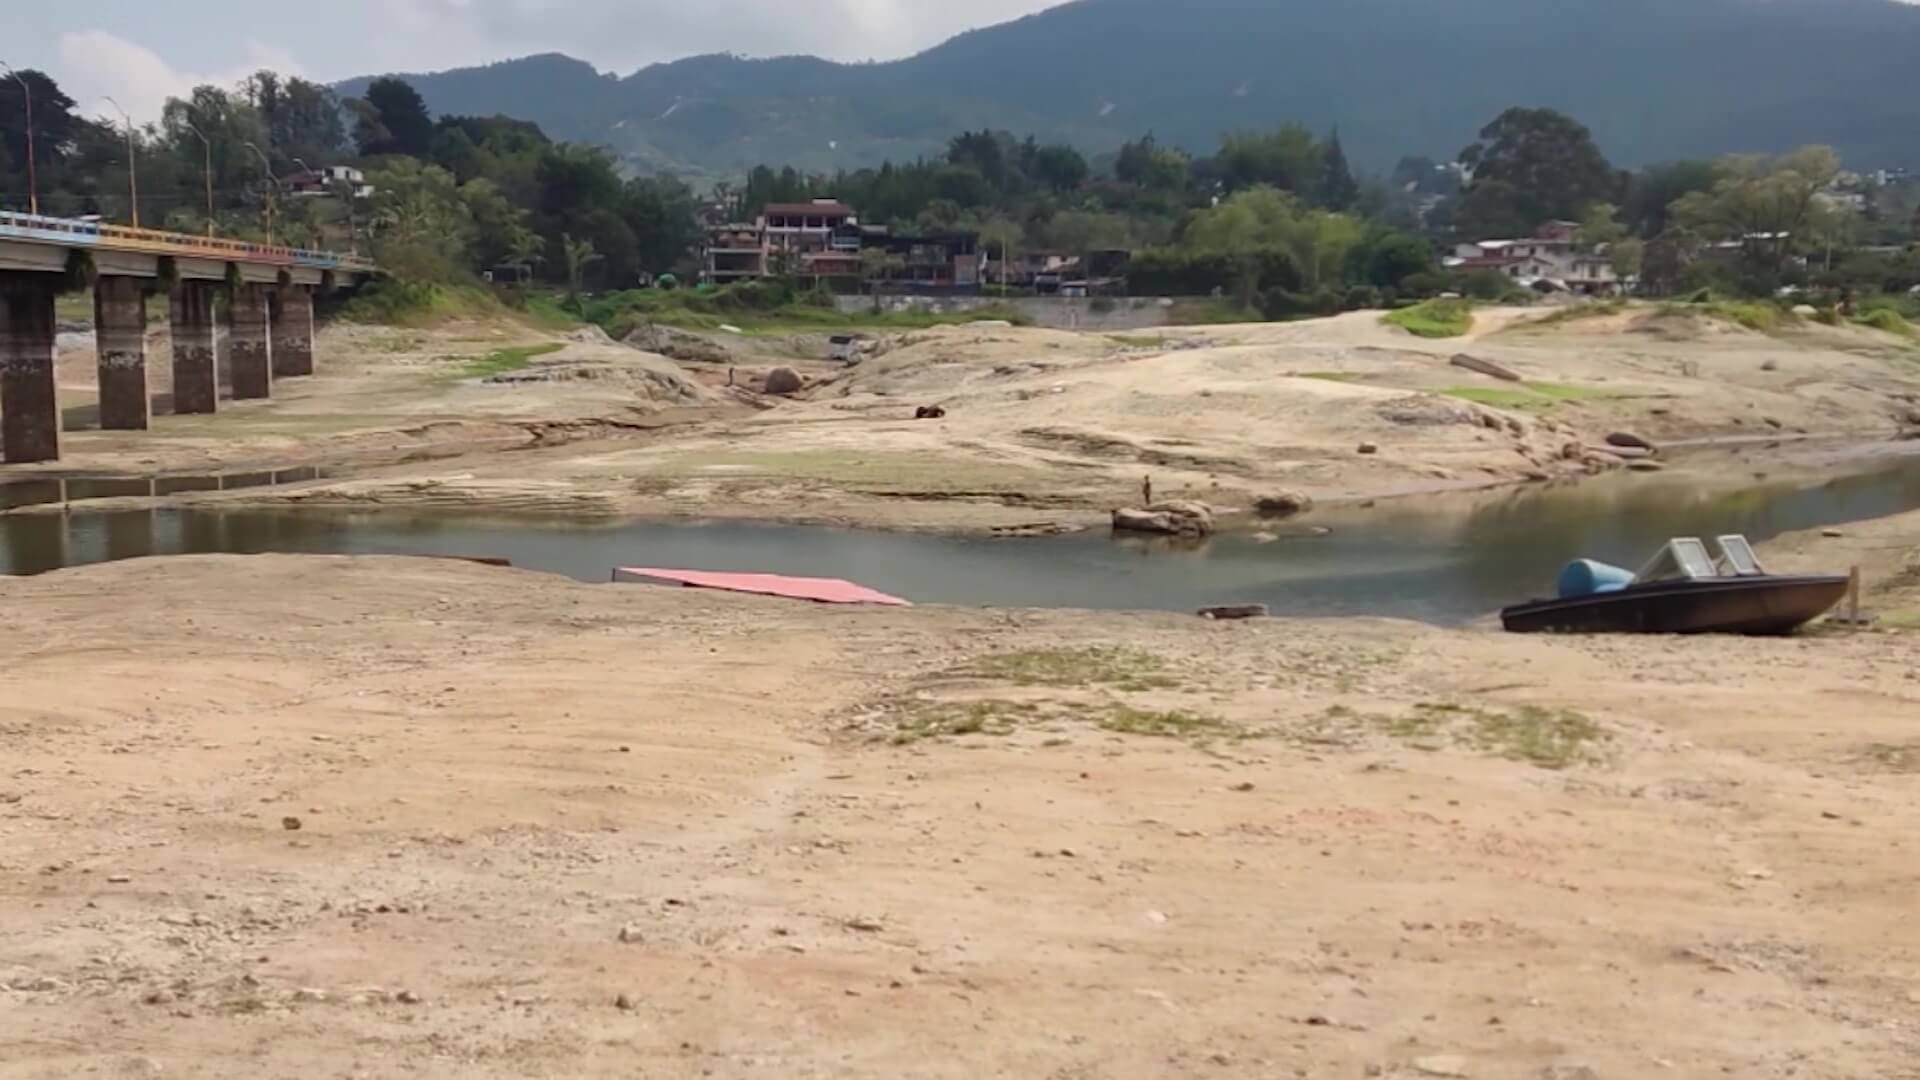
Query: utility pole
(273, 187)
(33, 181)
(133, 165)
(207, 145)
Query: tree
(1529, 167)
(1654, 189)
(1338, 189)
(879, 264)
(1149, 165)
(1290, 159)
(1770, 206)
(1061, 168)
(394, 121)
(1629, 258)
(579, 255)
(1598, 225)
(422, 226)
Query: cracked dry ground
(547, 829)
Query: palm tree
(579, 255)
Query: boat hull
(1759, 606)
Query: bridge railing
(99, 234)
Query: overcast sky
(141, 51)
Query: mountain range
(1655, 79)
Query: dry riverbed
(1042, 428)
(324, 817)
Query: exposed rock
(291, 824)
(1177, 518)
(632, 934)
(625, 1003)
(590, 335)
(1441, 1065)
(1367, 448)
(1631, 441)
(930, 412)
(1239, 611)
(1485, 367)
(407, 997)
(1144, 521)
(1630, 453)
(677, 344)
(1646, 465)
(784, 381)
(1283, 504)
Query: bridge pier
(290, 311)
(120, 329)
(29, 403)
(249, 352)
(196, 386)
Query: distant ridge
(1655, 79)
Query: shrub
(1434, 318)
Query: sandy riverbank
(384, 818)
(1043, 428)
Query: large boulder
(1283, 504)
(1485, 367)
(677, 344)
(784, 381)
(1628, 440)
(1173, 518)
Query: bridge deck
(73, 233)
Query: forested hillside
(1655, 79)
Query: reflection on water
(1441, 561)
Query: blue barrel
(1585, 577)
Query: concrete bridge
(269, 319)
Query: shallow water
(1438, 560)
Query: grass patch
(1331, 376)
(1209, 313)
(505, 360)
(1171, 724)
(1533, 395)
(763, 308)
(1576, 313)
(1891, 322)
(1433, 318)
(1136, 341)
(925, 720)
(1754, 315)
(1123, 669)
(546, 313)
(395, 302)
(1545, 738)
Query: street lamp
(33, 182)
(208, 146)
(273, 187)
(133, 165)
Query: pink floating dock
(818, 590)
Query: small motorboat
(1684, 590)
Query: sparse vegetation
(1533, 395)
(1889, 321)
(509, 359)
(1123, 669)
(1758, 316)
(400, 302)
(1136, 341)
(1168, 724)
(1548, 738)
(1575, 313)
(1209, 313)
(1444, 318)
(769, 308)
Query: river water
(1438, 560)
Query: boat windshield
(1686, 558)
(1683, 559)
(1737, 558)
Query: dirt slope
(546, 829)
